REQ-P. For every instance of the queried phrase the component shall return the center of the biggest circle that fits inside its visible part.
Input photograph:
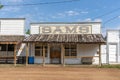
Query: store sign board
(86, 29)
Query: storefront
(65, 43)
(11, 37)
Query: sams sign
(65, 29)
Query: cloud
(72, 13)
(83, 12)
(88, 20)
(68, 13)
(98, 20)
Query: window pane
(70, 50)
(3, 47)
(39, 50)
(37, 53)
(10, 47)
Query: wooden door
(112, 53)
(55, 54)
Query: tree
(1, 6)
(28, 31)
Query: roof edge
(65, 22)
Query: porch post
(43, 55)
(6, 52)
(26, 54)
(63, 55)
(15, 55)
(99, 54)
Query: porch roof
(11, 39)
(65, 38)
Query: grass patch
(110, 66)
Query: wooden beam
(8, 42)
(15, 55)
(100, 54)
(26, 54)
(43, 55)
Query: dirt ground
(58, 73)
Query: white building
(113, 46)
(11, 35)
(65, 43)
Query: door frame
(116, 52)
(58, 46)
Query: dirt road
(58, 73)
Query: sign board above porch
(86, 29)
(65, 28)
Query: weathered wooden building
(65, 43)
(11, 36)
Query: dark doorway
(55, 54)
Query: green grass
(79, 66)
(110, 66)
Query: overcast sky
(106, 11)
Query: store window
(11, 47)
(70, 50)
(5, 47)
(39, 50)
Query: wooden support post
(15, 55)
(63, 55)
(6, 53)
(43, 55)
(26, 54)
(99, 54)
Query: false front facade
(65, 43)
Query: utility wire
(110, 19)
(113, 18)
(43, 3)
(108, 13)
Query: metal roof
(65, 38)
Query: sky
(105, 11)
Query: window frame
(40, 50)
(70, 50)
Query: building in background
(65, 43)
(113, 47)
(11, 36)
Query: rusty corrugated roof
(11, 38)
(65, 38)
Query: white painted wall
(113, 46)
(12, 26)
(34, 29)
(95, 27)
(85, 50)
(40, 60)
(113, 36)
(103, 54)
